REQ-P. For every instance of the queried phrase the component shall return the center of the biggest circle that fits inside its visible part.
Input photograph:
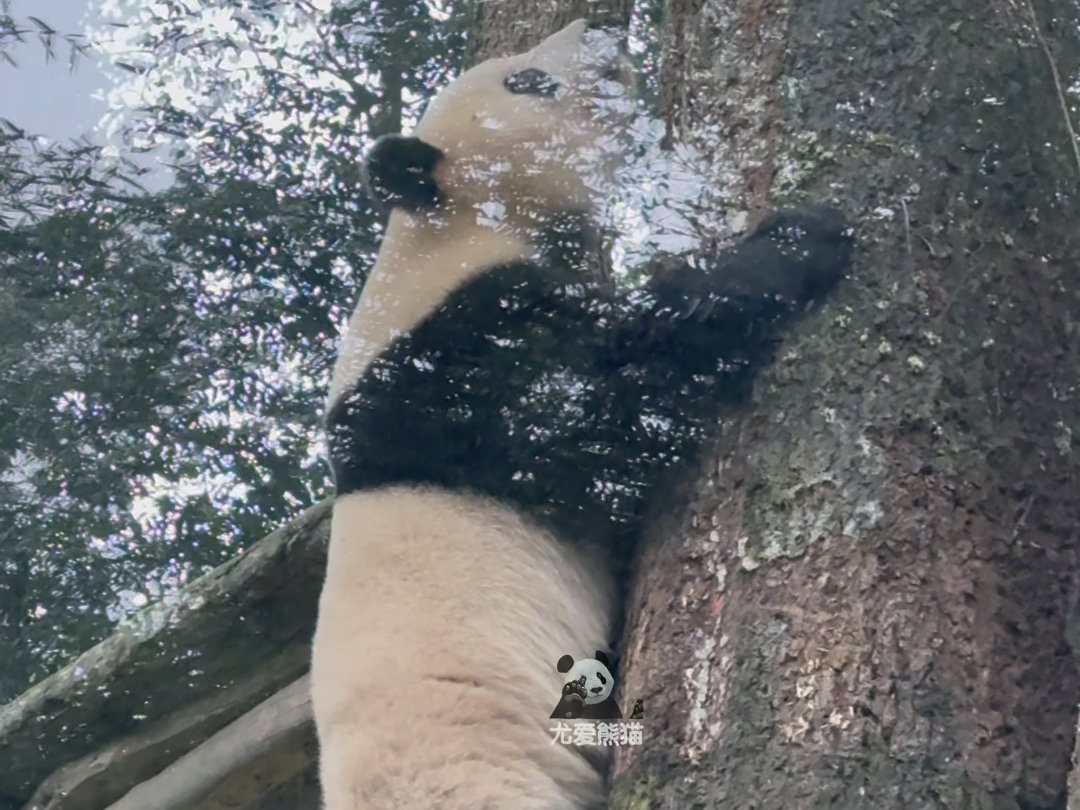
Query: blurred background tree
(164, 354)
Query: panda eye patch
(531, 82)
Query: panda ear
(601, 656)
(565, 663)
(398, 173)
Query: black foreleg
(693, 337)
(716, 313)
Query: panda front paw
(575, 688)
(811, 246)
(572, 704)
(821, 223)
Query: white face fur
(598, 681)
(543, 125)
(511, 160)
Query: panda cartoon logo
(587, 690)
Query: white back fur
(440, 625)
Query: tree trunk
(861, 599)
(509, 27)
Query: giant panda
(495, 417)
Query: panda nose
(597, 689)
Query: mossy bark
(861, 599)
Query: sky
(47, 98)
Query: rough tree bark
(861, 598)
(508, 27)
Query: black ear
(565, 663)
(398, 173)
(601, 656)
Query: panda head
(592, 673)
(521, 137)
